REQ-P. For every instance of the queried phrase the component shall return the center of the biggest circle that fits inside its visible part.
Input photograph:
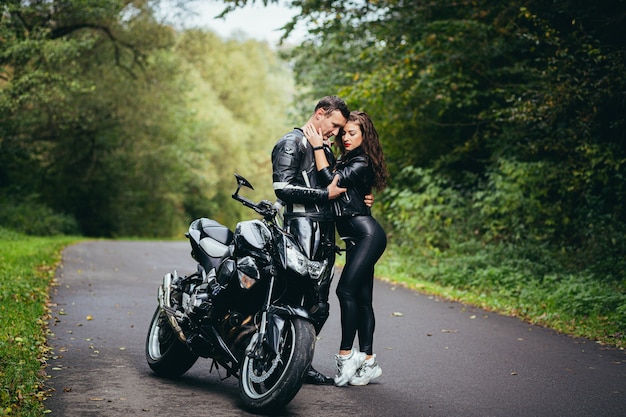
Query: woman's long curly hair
(371, 147)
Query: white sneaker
(368, 371)
(347, 365)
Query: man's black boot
(316, 378)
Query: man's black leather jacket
(295, 178)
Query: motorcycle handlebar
(264, 207)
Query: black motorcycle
(246, 307)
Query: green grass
(27, 268)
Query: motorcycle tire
(166, 355)
(272, 389)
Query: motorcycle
(246, 307)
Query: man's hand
(369, 200)
(334, 190)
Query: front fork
(273, 317)
(255, 347)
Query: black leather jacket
(296, 181)
(356, 173)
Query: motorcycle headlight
(316, 268)
(296, 261)
(300, 264)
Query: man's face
(330, 123)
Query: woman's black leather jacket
(356, 173)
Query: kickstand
(215, 365)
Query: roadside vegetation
(536, 290)
(27, 268)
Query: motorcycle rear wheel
(275, 387)
(166, 355)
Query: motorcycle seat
(214, 230)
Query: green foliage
(130, 128)
(33, 218)
(27, 267)
(515, 202)
(430, 213)
(238, 103)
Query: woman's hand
(314, 137)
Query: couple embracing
(318, 192)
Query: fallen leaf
(397, 314)
(96, 399)
(67, 389)
(89, 317)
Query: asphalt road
(439, 358)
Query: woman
(361, 167)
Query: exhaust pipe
(164, 297)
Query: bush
(430, 213)
(35, 219)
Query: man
(308, 212)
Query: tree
(107, 117)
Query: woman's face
(352, 137)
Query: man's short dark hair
(332, 103)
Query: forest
(503, 125)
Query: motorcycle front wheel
(270, 386)
(166, 355)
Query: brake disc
(265, 374)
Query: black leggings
(365, 243)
